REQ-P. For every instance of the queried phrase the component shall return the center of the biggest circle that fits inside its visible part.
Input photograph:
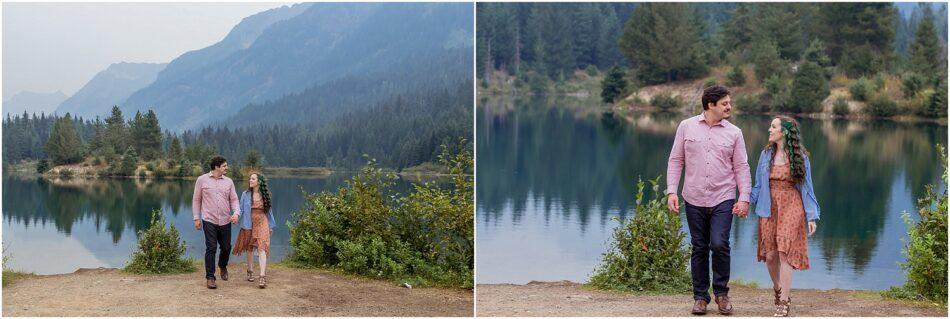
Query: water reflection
(560, 169)
(56, 226)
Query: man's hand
(197, 224)
(741, 209)
(673, 203)
(812, 227)
(234, 219)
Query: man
(213, 201)
(714, 155)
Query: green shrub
(666, 101)
(776, 94)
(880, 105)
(591, 70)
(912, 84)
(749, 103)
(160, 250)
(860, 89)
(709, 82)
(935, 106)
(735, 77)
(647, 253)
(42, 166)
(613, 85)
(926, 248)
(425, 237)
(66, 173)
(840, 107)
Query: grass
(10, 276)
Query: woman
(256, 226)
(784, 200)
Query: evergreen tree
(662, 44)
(926, 57)
(815, 53)
(64, 145)
(766, 59)
(859, 37)
(613, 85)
(253, 160)
(129, 163)
(175, 152)
(117, 135)
(810, 88)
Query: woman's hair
(262, 188)
(792, 139)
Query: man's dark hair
(713, 94)
(217, 161)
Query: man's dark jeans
(216, 235)
(709, 229)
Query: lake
(553, 173)
(58, 226)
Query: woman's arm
(812, 210)
(754, 197)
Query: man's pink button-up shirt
(715, 160)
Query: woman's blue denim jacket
(761, 197)
(246, 212)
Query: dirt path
(571, 299)
(289, 292)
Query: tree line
(399, 132)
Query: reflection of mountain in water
(99, 213)
(588, 162)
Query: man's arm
(235, 204)
(196, 200)
(674, 166)
(740, 167)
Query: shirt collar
(702, 119)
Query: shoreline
(566, 298)
(290, 292)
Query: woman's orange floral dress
(258, 235)
(784, 231)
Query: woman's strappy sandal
(778, 293)
(250, 275)
(262, 283)
(782, 308)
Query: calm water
(553, 173)
(54, 227)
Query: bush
(735, 77)
(776, 94)
(809, 88)
(160, 250)
(935, 106)
(591, 70)
(150, 166)
(912, 84)
(66, 173)
(860, 89)
(424, 238)
(647, 253)
(666, 101)
(840, 107)
(613, 85)
(42, 166)
(709, 82)
(926, 249)
(749, 103)
(880, 105)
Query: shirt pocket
(693, 145)
(724, 150)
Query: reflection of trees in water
(112, 205)
(579, 163)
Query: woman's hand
(812, 227)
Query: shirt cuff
(744, 197)
(670, 190)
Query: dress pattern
(784, 230)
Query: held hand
(812, 227)
(234, 219)
(673, 203)
(741, 209)
(197, 224)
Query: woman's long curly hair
(792, 139)
(262, 188)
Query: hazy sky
(50, 47)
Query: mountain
(325, 42)
(110, 87)
(32, 102)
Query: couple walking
(713, 153)
(215, 207)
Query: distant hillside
(110, 87)
(325, 42)
(32, 102)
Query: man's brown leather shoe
(211, 284)
(725, 307)
(699, 308)
(224, 274)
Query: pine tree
(253, 160)
(815, 53)
(117, 135)
(613, 85)
(925, 52)
(175, 151)
(810, 88)
(64, 145)
(129, 163)
(766, 59)
(662, 43)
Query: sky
(49, 47)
